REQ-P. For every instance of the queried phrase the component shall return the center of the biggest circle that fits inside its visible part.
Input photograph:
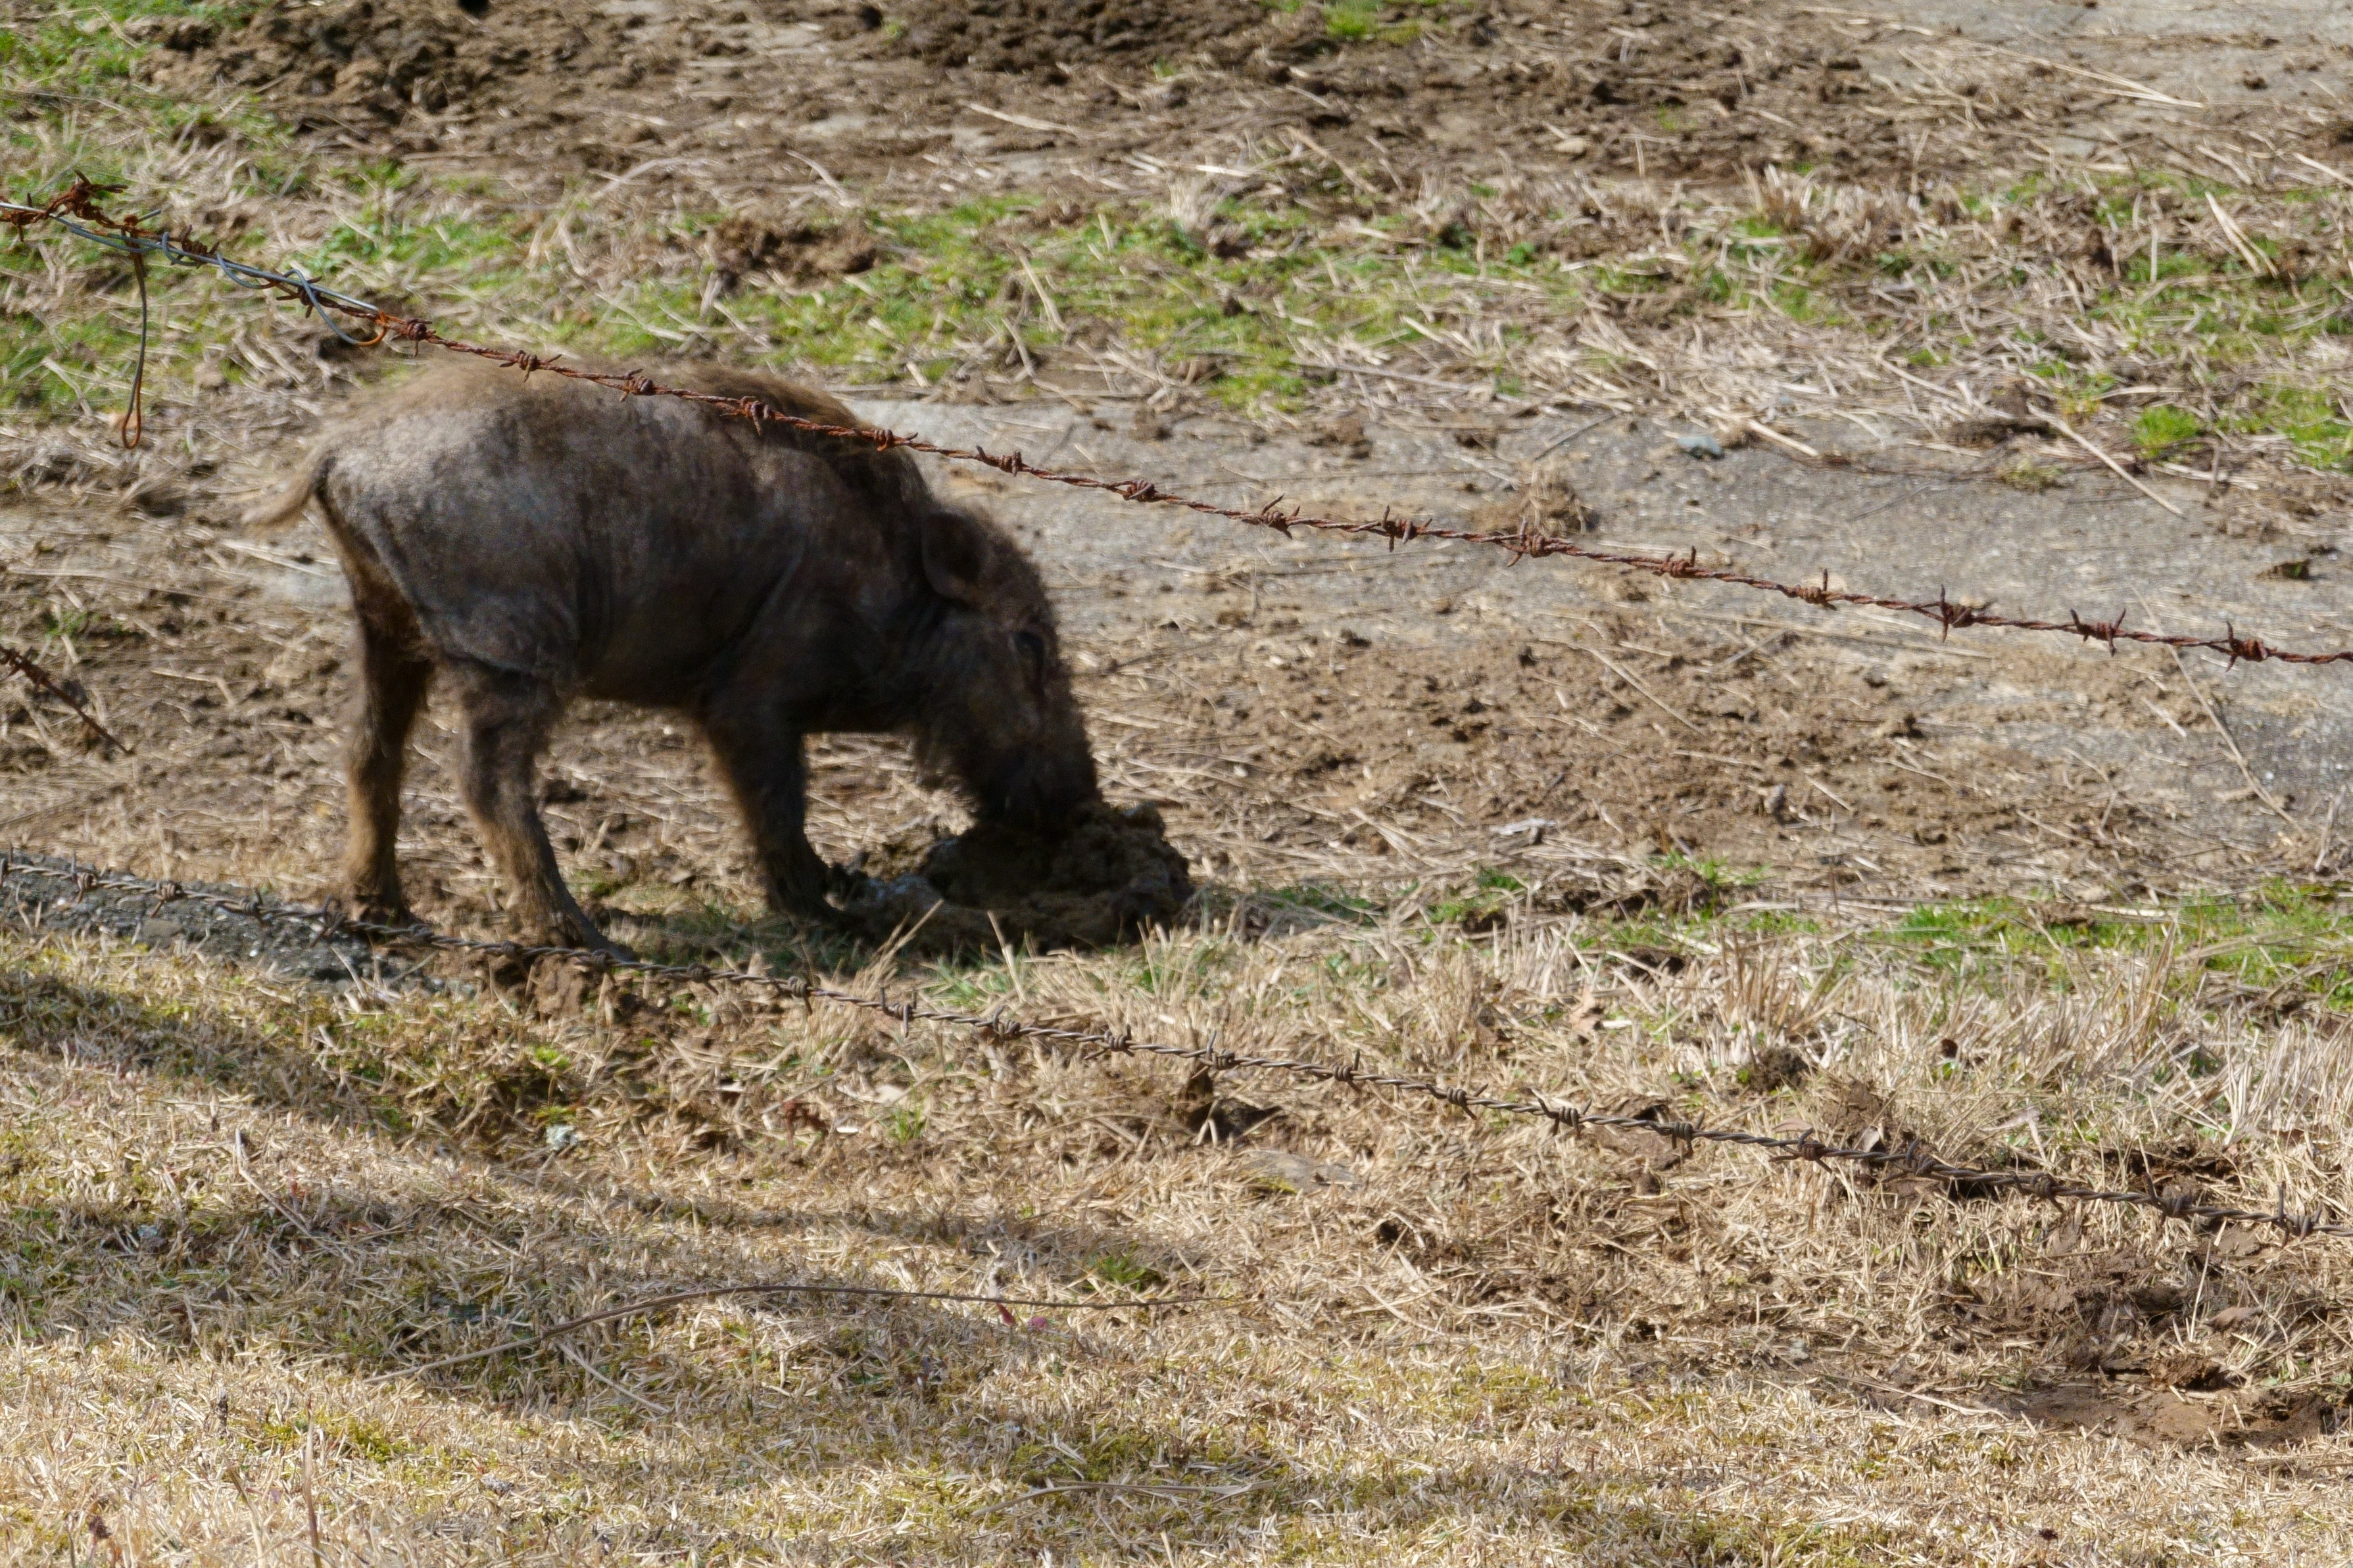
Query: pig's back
(615, 544)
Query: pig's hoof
(370, 909)
(818, 916)
(809, 906)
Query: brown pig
(533, 540)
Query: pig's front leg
(761, 757)
(507, 718)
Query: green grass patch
(2300, 935)
(2161, 427)
(96, 48)
(2295, 936)
(2307, 416)
(1368, 21)
(974, 988)
(1322, 899)
(1482, 906)
(990, 287)
(904, 1124)
(2175, 264)
(1720, 876)
(1350, 20)
(2194, 297)
(2029, 476)
(1122, 1268)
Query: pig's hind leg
(507, 718)
(392, 679)
(761, 757)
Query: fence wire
(76, 209)
(133, 238)
(1911, 1158)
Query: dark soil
(538, 90)
(1049, 36)
(387, 60)
(797, 250)
(1113, 876)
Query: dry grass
(1494, 1344)
(234, 1200)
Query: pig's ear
(955, 556)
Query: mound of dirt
(385, 58)
(795, 248)
(1111, 876)
(1042, 36)
(389, 58)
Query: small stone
(1699, 446)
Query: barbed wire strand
(130, 236)
(1913, 1159)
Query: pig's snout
(1041, 785)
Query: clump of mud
(1111, 876)
(794, 249)
(1041, 36)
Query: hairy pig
(534, 539)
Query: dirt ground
(1678, 91)
(1641, 844)
(1397, 723)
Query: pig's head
(989, 695)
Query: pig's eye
(1033, 653)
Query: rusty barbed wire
(1913, 1159)
(131, 237)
